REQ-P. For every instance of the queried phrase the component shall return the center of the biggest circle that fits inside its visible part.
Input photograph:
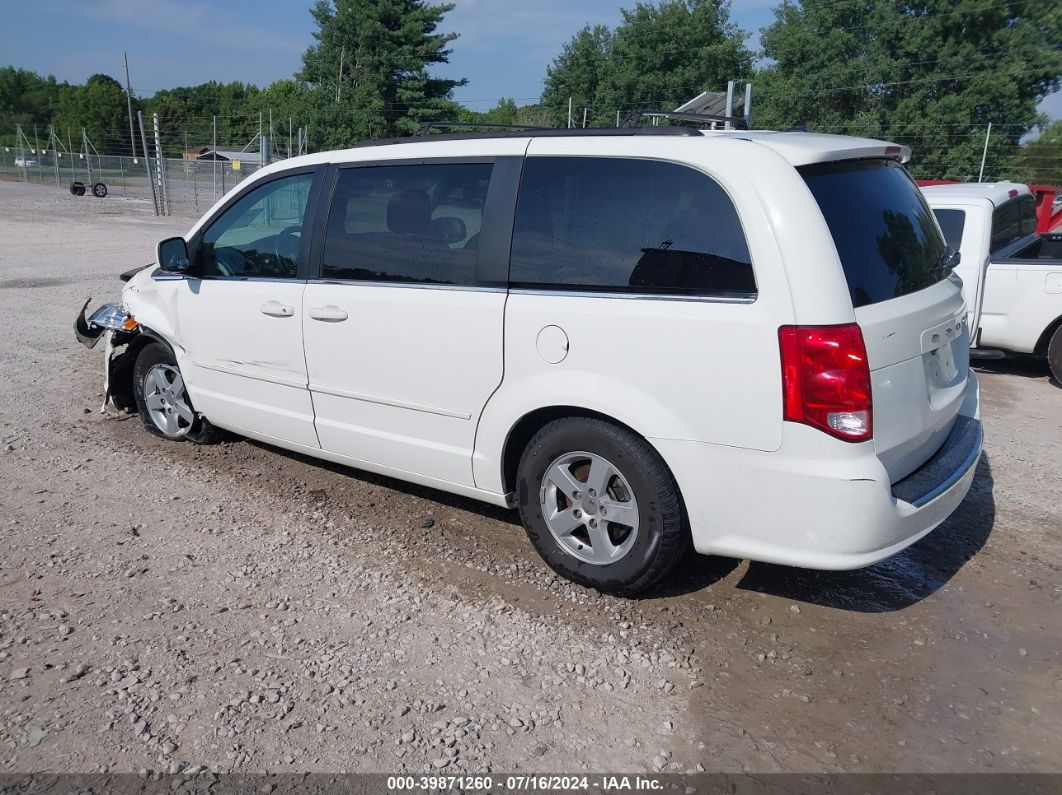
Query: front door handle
(276, 309)
(329, 314)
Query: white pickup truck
(1012, 277)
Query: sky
(503, 50)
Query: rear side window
(882, 227)
(952, 223)
(642, 226)
(406, 223)
(1013, 221)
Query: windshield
(1013, 221)
(885, 234)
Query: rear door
(908, 305)
(404, 325)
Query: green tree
(188, 113)
(658, 57)
(286, 100)
(98, 107)
(578, 74)
(369, 70)
(931, 75)
(26, 99)
(1043, 156)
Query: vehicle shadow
(1024, 365)
(902, 580)
(893, 584)
(484, 509)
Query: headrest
(409, 213)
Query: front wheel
(1054, 354)
(162, 400)
(600, 505)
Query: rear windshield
(1013, 221)
(952, 222)
(883, 229)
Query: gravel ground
(236, 607)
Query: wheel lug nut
(601, 510)
(576, 495)
(593, 522)
(593, 493)
(578, 514)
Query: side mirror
(172, 255)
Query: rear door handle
(329, 314)
(276, 309)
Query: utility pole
(984, 154)
(55, 152)
(40, 155)
(160, 167)
(729, 105)
(129, 105)
(569, 113)
(214, 159)
(584, 118)
(147, 162)
(289, 137)
(85, 153)
(339, 79)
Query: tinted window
(408, 223)
(952, 222)
(882, 227)
(1013, 221)
(636, 225)
(259, 235)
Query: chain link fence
(183, 186)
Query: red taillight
(826, 380)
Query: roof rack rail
(532, 132)
(634, 118)
(426, 126)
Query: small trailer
(99, 190)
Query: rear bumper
(820, 506)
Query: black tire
(200, 431)
(662, 537)
(1054, 355)
(77, 188)
(99, 190)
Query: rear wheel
(162, 400)
(600, 505)
(1054, 354)
(99, 190)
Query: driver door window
(259, 236)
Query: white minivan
(642, 339)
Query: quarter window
(408, 223)
(260, 234)
(613, 224)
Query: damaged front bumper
(108, 318)
(118, 329)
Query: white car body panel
(248, 368)
(385, 381)
(426, 383)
